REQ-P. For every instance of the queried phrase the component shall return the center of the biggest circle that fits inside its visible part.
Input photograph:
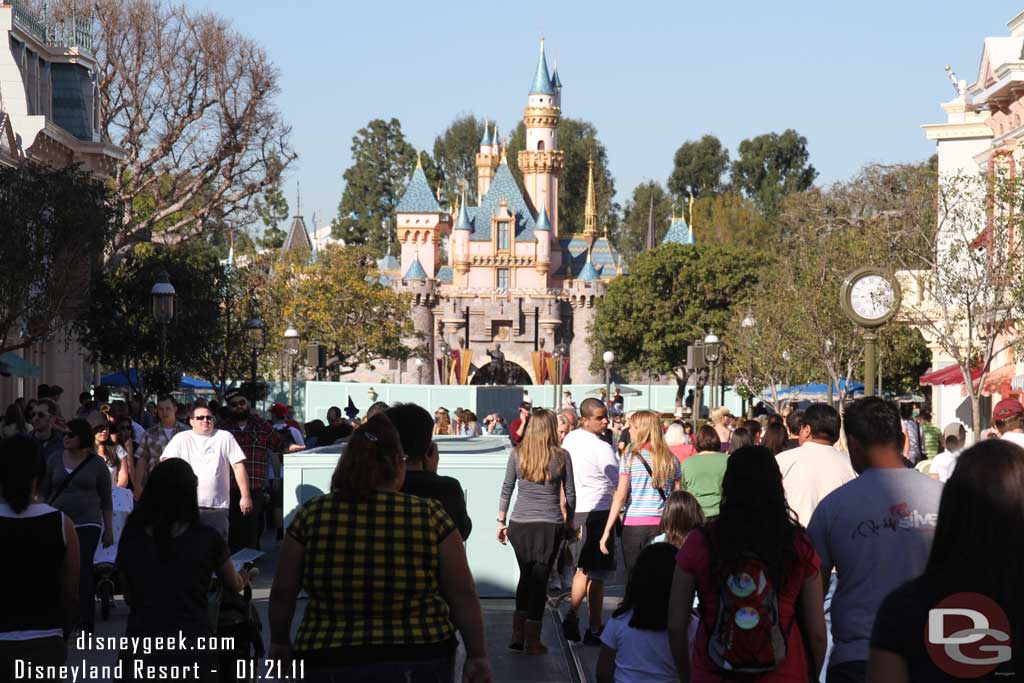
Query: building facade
(983, 130)
(506, 272)
(49, 114)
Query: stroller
(234, 616)
(106, 579)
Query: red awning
(947, 376)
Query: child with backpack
(756, 574)
(634, 642)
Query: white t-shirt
(943, 465)
(595, 470)
(640, 656)
(811, 472)
(1014, 437)
(211, 458)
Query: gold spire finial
(419, 160)
(504, 150)
(542, 43)
(691, 212)
(590, 210)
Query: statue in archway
(499, 376)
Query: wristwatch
(502, 522)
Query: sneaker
(571, 627)
(591, 638)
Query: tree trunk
(976, 415)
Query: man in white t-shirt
(1008, 419)
(815, 468)
(214, 456)
(595, 480)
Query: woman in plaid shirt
(386, 574)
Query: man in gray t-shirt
(876, 531)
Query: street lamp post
(291, 349)
(256, 334)
(712, 355)
(163, 299)
(445, 358)
(608, 357)
(561, 356)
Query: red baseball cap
(279, 410)
(1007, 408)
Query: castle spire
(590, 210)
(486, 139)
(542, 79)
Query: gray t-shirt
(539, 501)
(876, 531)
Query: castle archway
(508, 373)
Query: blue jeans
(88, 539)
(428, 671)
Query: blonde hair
(645, 426)
(539, 445)
(718, 415)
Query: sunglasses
(203, 418)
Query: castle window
(504, 280)
(540, 145)
(503, 235)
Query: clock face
(872, 297)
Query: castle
(515, 275)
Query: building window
(504, 280)
(503, 235)
(540, 145)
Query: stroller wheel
(106, 591)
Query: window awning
(947, 376)
(13, 364)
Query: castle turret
(542, 230)
(541, 162)
(590, 209)
(421, 224)
(556, 82)
(486, 161)
(584, 291)
(463, 229)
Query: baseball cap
(954, 429)
(279, 410)
(1007, 408)
(233, 393)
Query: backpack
(747, 636)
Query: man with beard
(261, 444)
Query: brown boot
(532, 644)
(518, 625)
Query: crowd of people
(752, 549)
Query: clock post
(870, 297)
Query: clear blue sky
(856, 79)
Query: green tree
(382, 163)
(631, 236)
(698, 168)
(674, 294)
(455, 153)
(272, 208)
(337, 301)
(729, 219)
(771, 166)
(54, 225)
(119, 325)
(578, 139)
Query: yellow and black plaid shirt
(370, 569)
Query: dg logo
(968, 635)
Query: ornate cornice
(541, 117)
(503, 260)
(452, 291)
(548, 161)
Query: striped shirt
(371, 569)
(644, 505)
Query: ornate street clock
(870, 297)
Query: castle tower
(541, 162)
(421, 224)
(584, 291)
(423, 297)
(543, 232)
(460, 246)
(486, 161)
(590, 210)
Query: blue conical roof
(555, 80)
(542, 220)
(418, 197)
(486, 139)
(541, 80)
(415, 271)
(679, 233)
(462, 222)
(589, 272)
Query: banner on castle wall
(465, 362)
(540, 366)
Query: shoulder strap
(67, 480)
(650, 473)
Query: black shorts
(587, 550)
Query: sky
(856, 79)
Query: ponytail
(371, 460)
